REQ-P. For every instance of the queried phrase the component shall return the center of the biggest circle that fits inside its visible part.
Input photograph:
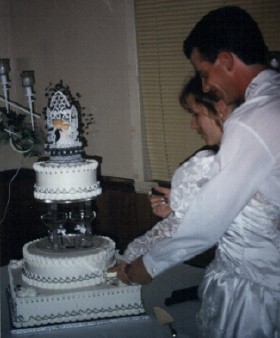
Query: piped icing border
(75, 167)
(67, 190)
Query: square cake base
(36, 306)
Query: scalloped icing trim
(80, 315)
(64, 190)
(64, 197)
(67, 281)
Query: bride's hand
(160, 204)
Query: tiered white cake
(70, 284)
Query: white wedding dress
(240, 290)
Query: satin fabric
(241, 289)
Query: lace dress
(186, 182)
(241, 288)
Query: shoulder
(257, 120)
(195, 167)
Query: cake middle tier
(67, 268)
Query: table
(146, 325)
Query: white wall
(90, 45)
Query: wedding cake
(58, 282)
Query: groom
(227, 49)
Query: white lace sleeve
(143, 244)
(186, 182)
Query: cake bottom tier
(32, 306)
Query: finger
(163, 204)
(123, 277)
(158, 201)
(163, 190)
(113, 269)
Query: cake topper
(62, 122)
(66, 124)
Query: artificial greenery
(15, 130)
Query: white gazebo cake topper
(62, 122)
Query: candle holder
(4, 71)
(28, 80)
(4, 66)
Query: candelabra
(28, 81)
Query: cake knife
(165, 318)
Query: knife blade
(165, 318)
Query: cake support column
(89, 221)
(81, 218)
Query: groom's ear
(226, 59)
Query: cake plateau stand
(58, 237)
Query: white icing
(57, 306)
(28, 291)
(66, 269)
(69, 181)
(111, 274)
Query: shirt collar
(251, 90)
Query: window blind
(161, 28)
